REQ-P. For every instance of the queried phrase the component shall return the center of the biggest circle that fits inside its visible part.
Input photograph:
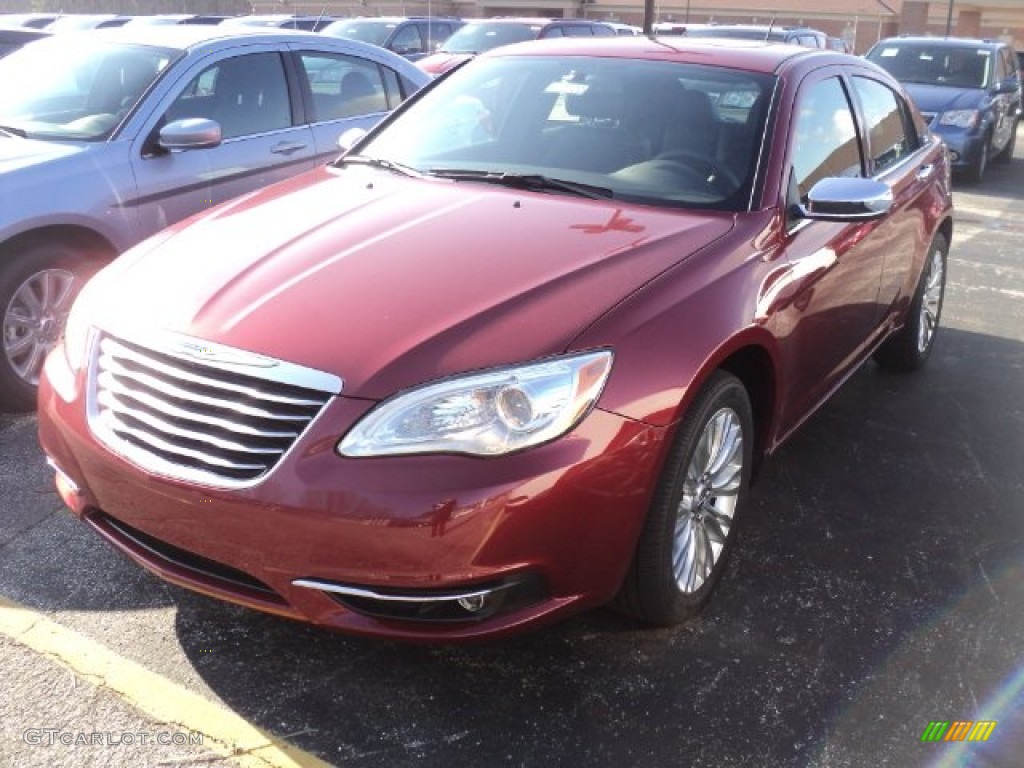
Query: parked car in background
(177, 18)
(282, 21)
(839, 44)
(30, 20)
(76, 22)
(969, 92)
(486, 34)
(805, 36)
(13, 38)
(411, 37)
(625, 30)
(121, 132)
(457, 384)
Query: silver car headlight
(489, 413)
(960, 118)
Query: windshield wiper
(379, 162)
(533, 182)
(10, 130)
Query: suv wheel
(976, 171)
(1006, 155)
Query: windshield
(955, 67)
(373, 32)
(78, 90)
(650, 132)
(477, 38)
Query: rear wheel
(909, 348)
(37, 288)
(690, 527)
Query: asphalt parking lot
(878, 586)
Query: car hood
(941, 98)
(17, 153)
(387, 281)
(440, 62)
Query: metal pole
(687, 11)
(648, 17)
(949, 18)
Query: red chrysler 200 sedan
(518, 352)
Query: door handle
(287, 147)
(925, 171)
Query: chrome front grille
(219, 420)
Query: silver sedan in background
(108, 136)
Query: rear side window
(343, 86)
(890, 129)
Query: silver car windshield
(653, 132)
(81, 90)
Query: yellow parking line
(225, 733)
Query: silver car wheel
(34, 320)
(708, 504)
(931, 300)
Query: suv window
(961, 66)
(890, 128)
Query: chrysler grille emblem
(214, 353)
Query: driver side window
(246, 95)
(824, 142)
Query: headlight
(960, 118)
(79, 325)
(484, 414)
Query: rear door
(343, 91)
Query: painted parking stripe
(225, 733)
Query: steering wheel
(707, 171)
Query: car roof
(750, 55)
(945, 42)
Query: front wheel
(690, 527)
(1006, 155)
(909, 348)
(37, 288)
(976, 171)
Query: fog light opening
(473, 603)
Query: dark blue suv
(969, 92)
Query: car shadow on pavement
(876, 586)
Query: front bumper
(964, 146)
(420, 548)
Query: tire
(976, 172)
(909, 348)
(1006, 155)
(37, 287)
(690, 527)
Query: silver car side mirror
(190, 133)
